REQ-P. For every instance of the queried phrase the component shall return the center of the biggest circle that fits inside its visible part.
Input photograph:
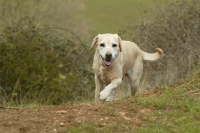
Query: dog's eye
(102, 44)
(114, 45)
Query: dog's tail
(153, 56)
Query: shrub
(176, 30)
(39, 65)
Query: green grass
(173, 112)
(177, 110)
(83, 128)
(109, 16)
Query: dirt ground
(62, 118)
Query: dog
(114, 59)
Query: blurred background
(44, 56)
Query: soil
(62, 118)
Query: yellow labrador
(113, 60)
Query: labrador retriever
(115, 59)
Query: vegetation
(67, 14)
(176, 30)
(39, 64)
(177, 110)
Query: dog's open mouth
(107, 62)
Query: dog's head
(108, 47)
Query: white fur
(127, 59)
(108, 42)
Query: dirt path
(63, 118)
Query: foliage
(39, 65)
(67, 14)
(176, 30)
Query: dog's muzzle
(108, 60)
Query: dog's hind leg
(134, 85)
(134, 76)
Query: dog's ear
(120, 44)
(94, 42)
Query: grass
(83, 128)
(176, 110)
(109, 16)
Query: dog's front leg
(99, 87)
(108, 89)
(112, 95)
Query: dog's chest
(104, 76)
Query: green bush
(176, 30)
(39, 65)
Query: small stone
(62, 124)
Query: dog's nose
(108, 55)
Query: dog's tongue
(108, 63)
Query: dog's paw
(104, 94)
(110, 98)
